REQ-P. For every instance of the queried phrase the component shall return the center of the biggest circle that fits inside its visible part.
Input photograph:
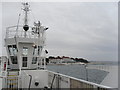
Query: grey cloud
(86, 30)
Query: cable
(17, 30)
(18, 24)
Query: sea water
(80, 72)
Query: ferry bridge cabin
(25, 43)
(25, 47)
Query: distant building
(60, 60)
(64, 59)
(55, 60)
(67, 60)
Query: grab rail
(85, 84)
(11, 32)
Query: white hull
(44, 78)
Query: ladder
(12, 80)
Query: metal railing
(101, 67)
(17, 31)
(64, 81)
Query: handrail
(87, 82)
(12, 32)
(14, 26)
(30, 80)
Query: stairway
(12, 80)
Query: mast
(26, 9)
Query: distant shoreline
(104, 62)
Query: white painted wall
(64, 82)
(40, 76)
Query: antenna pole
(26, 10)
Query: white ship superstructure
(26, 68)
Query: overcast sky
(76, 29)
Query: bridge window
(24, 62)
(13, 59)
(25, 51)
(34, 60)
(12, 50)
(36, 50)
(39, 49)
